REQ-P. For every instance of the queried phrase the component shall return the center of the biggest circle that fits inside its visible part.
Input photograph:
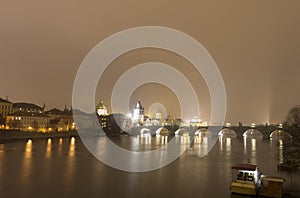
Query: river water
(64, 168)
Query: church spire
(44, 105)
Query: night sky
(255, 44)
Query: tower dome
(101, 109)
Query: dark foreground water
(64, 168)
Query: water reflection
(48, 148)
(253, 145)
(250, 147)
(60, 146)
(64, 173)
(279, 145)
(280, 151)
(72, 148)
(70, 165)
(228, 144)
(201, 145)
(184, 139)
(164, 140)
(225, 142)
(145, 140)
(28, 149)
(143, 145)
(26, 168)
(2, 151)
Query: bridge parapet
(266, 130)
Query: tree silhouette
(292, 121)
(293, 117)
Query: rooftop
(25, 105)
(28, 114)
(250, 167)
(3, 100)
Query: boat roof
(272, 178)
(250, 167)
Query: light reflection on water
(279, 143)
(72, 148)
(27, 158)
(67, 168)
(280, 151)
(48, 148)
(2, 150)
(225, 142)
(60, 146)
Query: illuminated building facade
(61, 120)
(27, 121)
(6, 107)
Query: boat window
(240, 176)
(245, 176)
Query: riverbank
(10, 135)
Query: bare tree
(293, 117)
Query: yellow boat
(245, 179)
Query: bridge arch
(162, 131)
(145, 131)
(203, 132)
(182, 132)
(253, 134)
(280, 135)
(226, 132)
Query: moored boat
(245, 179)
(248, 180)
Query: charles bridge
(266, 130)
